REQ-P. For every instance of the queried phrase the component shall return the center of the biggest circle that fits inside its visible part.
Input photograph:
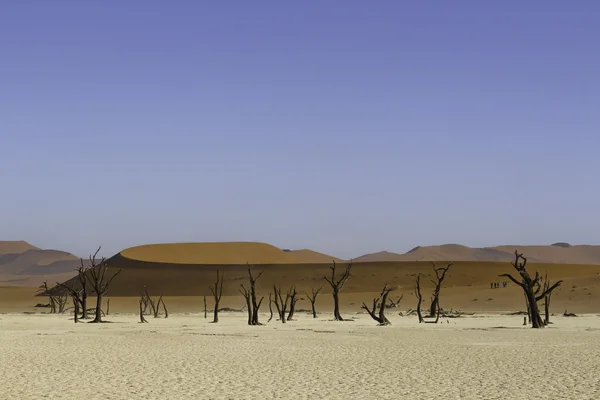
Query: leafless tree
(143, 306)
(165, 308)
(107, 306)
(81, 276)
(43, 289)
(76, 295)
(547, 299)
(154, 304)
(313, 299)
(394, 304)
(531, 288)
(217, 292)
(205, 309)
(293, 300)
(280, 303)
(440, 274)
(379, 304)
(337, 285)
(99, 282)
(419, 298)
(246, 293)
(270, 307)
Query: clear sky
(346, 127)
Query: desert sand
(184, 356)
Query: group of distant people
(496, 285)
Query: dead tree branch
(337, 285)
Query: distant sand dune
(15, 246)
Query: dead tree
(76, 295)
(293, 300)
(165, 308)
(205, 311)
(99, 283)
(246, 293)
(280, 303)
(379, 304)
(217, 292)
(255, 304)
(547, 299)
(43, 289)
(313, 299)
(81, 276)
(270, 307)
(440, 274)
(394, 304)
(336, 286)
(419, 297)
(107, 306)
(530, 288)
(143, 306)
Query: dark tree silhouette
(531, 288)
(313, 299)
(205, 310)
(100, 284)
(379, 304)
(143, 306)
(280, 303)
(251, 301)
(81, 276)
(293, 300)
(270, 307)
(76, 295)
(44, 290)
(440, 274)
(337, 285)
(217, 292)
(419, 297)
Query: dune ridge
(557, 253)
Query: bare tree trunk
(293, 300)
(531, 288)
(379, 302)
(75, 310)
(96, 276)
(217, 292)
(98, 317)
(313, 299)
(142, 319)
(440, 274)
(419, 298)
(165, 309)
(107, 306)
(270, 308)
(336, 286)
(205, 311)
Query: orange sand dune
(313, 257)
(15, 246)
(558, 253)
(210, 253)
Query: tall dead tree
(293, 300)
(379, 304)
(143, 306)
(280, 303)
(531, 288)
(205, 310)
(440, 274)
(313, 299)
(337, 285)
(270, 307)
(547, 299)
(217, 292)
(255, 304)
(99, 282)
(44, 290)
(81, 277)
(246, 293)
(419, 297)
(76, 295)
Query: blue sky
(343, 126)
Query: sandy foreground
(479, 357)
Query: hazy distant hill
(20, 263)
(556, 253)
